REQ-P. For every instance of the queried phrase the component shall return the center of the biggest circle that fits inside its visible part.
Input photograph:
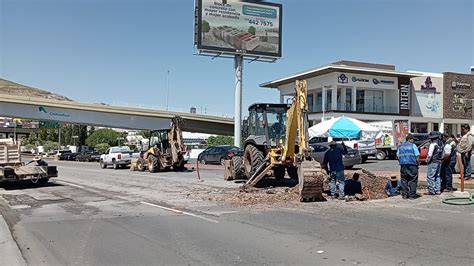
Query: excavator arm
(295, 122)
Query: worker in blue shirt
(408, 157)
(393, 186)
(333, 159)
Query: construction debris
(372, 185)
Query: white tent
(350, 129)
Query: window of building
(319, 102)
(435, 127)
(328, 102)
(310, 103)
(348, 99)
(360, 100)
(340, 104)
(419, 127)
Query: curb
(11, 254)
(455, 184)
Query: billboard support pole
(238, 67)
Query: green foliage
(47, 135)
(252, 30)
(50, 146)
(73, 135)
(145, 133)
(104, 135)
(31, 140)
(101, 147)
(205, 26)
(220, 140)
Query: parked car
(420, 138)
(352, 157)
(63, 155)
(423, 148)
(366, 148)
(118, 157)
(88, 156)
(218, 154)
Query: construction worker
(333, 159)
(408, 157)
(352, 186)
(393, 187)
(448, 163)
(434, 158)
(39, 161)
(465, 149)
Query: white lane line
(180, 212)
(69, 184)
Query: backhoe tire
(141, 165)
(253, 158)
(237, 167)
(153, 164)
(292, 172)
(279, 172)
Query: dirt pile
(372, 185)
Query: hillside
(12, 88)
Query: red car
(423, 148)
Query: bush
(50, 146)
(101, 147)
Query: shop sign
(460, 85)
(381, 81)
(356, 79)
(404, 97)
(342, 79)
(428, 84)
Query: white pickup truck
(118, 157)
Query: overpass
(108, 116)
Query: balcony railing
(360, 108)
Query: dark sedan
(89, 156)
(350, 159)
(218, 154)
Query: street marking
(180, 212)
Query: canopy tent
(343, 127)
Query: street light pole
(167, 88)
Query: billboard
(239, 27)
(401, 130)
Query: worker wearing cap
(39, 161)
(434, 158)
(333, 159)
(408, 157)
(449, 162)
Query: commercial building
(378, 92)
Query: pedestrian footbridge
(109, 116)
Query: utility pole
(238, 65)
(167, 88)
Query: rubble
(372, 185)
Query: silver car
(349, 160)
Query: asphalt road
(91, 216)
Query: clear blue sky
(120, 50)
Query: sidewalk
(422, 178)
(11, 254)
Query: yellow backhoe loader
(166, 149)
(277, 142)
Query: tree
(205, 27)
(101, 147)
(252, 30)
(50, 146)
(146, 134)
(104, 135)
(220, 140)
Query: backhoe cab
(277, 143)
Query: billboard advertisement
(239, 27)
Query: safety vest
(453, 147)
(437, 153)
(406, 154)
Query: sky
(120, 51)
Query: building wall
(427, 101)
(458, 96)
